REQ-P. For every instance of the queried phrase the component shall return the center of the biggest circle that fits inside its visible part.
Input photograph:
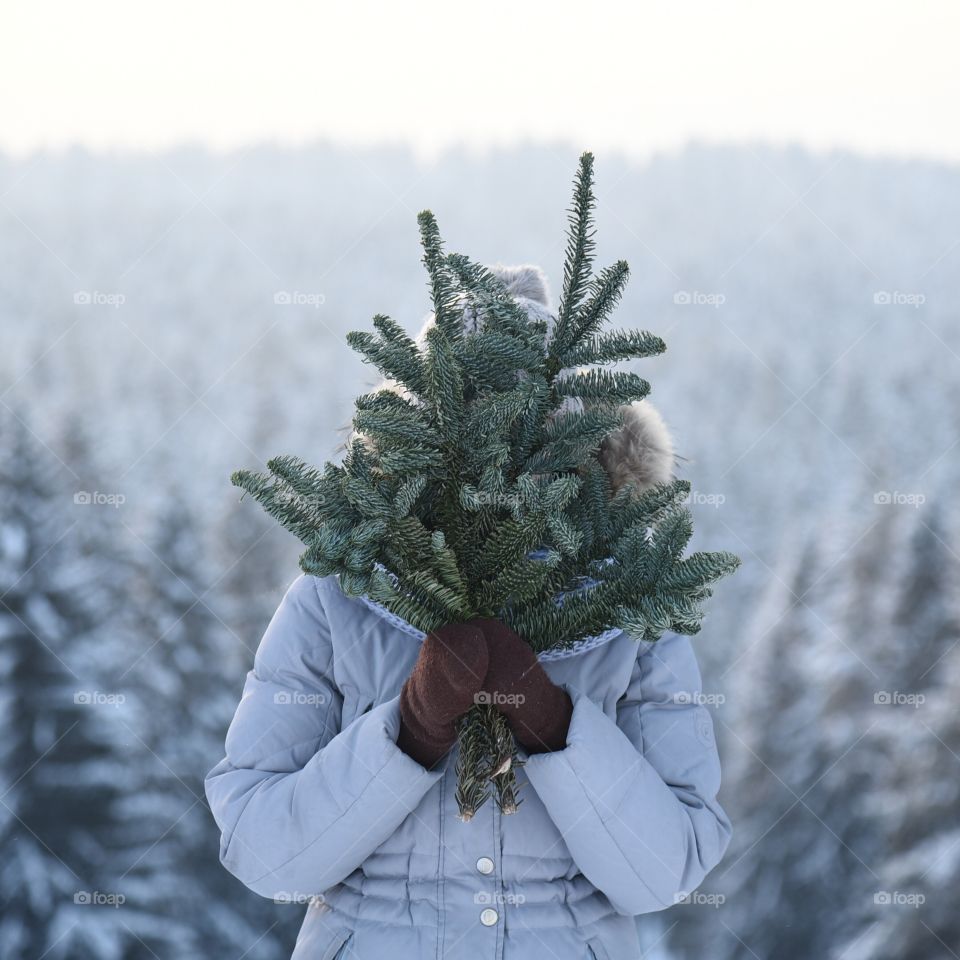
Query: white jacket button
(488, 917)
(485, 865)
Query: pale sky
(876, 77)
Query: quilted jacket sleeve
(300, 802)
(635, 797)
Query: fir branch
(393, 353)
(444, 384)
(442, 292)
(612, 347)
(511, 541)
(627, 509)
(579, 257)
(603, 387)
(519, 583)
(605, 293)
(492, 360)
(569, 440)
(493, 413)
(407, 495)
(489, 297)
(281, 502)
(303, 479)
(700, 569)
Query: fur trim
(641, 451)
(525, 281)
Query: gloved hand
(442, 686)
(517, 685)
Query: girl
(337, 789)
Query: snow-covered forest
(168, 318)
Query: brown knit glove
(517, 685)
(442, 686)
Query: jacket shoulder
(298, 632)
(669, 663)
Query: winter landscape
(170, 317)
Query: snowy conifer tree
(794, 854)
(57, 775)
(185, 684)
(908, 907)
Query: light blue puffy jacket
(317, 804)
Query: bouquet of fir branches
(472, 485)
